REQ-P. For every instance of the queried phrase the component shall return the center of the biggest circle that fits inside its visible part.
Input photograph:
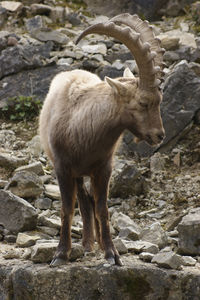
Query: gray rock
(127, 183)
(3, 17)
(171, 56)
(141, 246)
(121, 221)
(57, 14)
(35, 82)
(195, 67)
(149, 10)
(169, 42)
(34, 23)
(3, 183)
(18, 58)
(188, 261)
(16, 214)
(10, 162)
(168, 260)
(35, 167)
(135, 280)
(43, 203)
(154, 234)
(178, 110)
(65, 61)
(120, 246)
(188, 233)
(146, 256)
(49, 222)
(52, 191)
(131, 64)
(184, 38)
(157, 163)
(26, 239)
(130, 233)
(10, 238)
(173, 8)
(110, 72)
(7, 138)
(12, 253)
(90, 65)
(46, 34)
(34, 146)
(122, 54)
(73, 18)
(43, 252)
(56, 205)
(118, 65)
(40, 9)
(25, 184)
(48, 230)
(76, 252)
(12, 6)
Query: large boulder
(188, 229)
(149, 8)
(180, 101)
(154, 234)
(25, 280)
(18, 58)
(25, 184)
(16, 214)
(129, 181)
(35, 82)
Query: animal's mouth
(150, 141)
(147, 138)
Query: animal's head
(140, 97)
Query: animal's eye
(143, 104)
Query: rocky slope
(154, 194)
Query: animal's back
(64, 95)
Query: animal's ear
(117, 86)
(128, 73)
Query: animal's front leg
(67, 186)
(100, 182)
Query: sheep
(82, 120)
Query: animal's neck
(97, 121)
(105, 112)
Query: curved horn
(139, 49)
(146, 35)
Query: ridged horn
(140, 49)
(146, 35)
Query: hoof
(114, 261)
(118, 261)
(113, 258)
(111, 261)
(57, 262)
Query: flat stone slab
(93, 280)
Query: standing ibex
(82, 120)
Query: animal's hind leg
(67, 186)
(96, 222)
(87, 212)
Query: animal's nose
(161, 135)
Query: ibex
(82, 119)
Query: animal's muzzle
(155, 139)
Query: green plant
(21, 108)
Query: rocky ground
(154, 195)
